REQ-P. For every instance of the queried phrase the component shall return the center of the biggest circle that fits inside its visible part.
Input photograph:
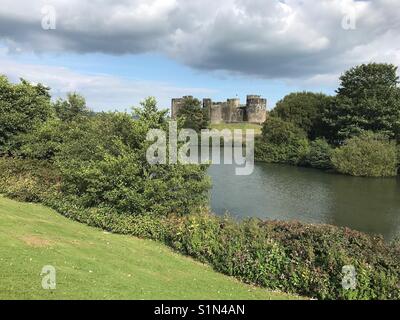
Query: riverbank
(285, 192)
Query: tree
(22, 107)
(304, 109)
(281, 142)
(369, 154)
(368, 99)
(192, 114)
(102, 161)
(148, 113)
(72, 108)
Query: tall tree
(193, 115)
(368, 99)
(304, 109)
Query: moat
(291, 193)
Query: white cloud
(270, 39)
(102, 91)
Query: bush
(320, 155)
(281, 142)
(28, 180)
(366, 155)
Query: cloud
(102, 92)
(288, 39)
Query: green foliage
(281, 142)
(368, 99)
(22, 106)
(304, 109)
(366, 155)
(320, 155)
(43, 142)
(103, 162)
(73, 108)
(28, 180)
(192, 115)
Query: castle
(231, 111)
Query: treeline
(355, 132)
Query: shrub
(366, 155)
(320, 155)
(281, 142)
(28, 180)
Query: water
(292, 193)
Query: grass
(242, 126)
(92, 264)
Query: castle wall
(256, 109)
(232, 112)
(216, 113)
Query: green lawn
(92, 264)
(242, 126)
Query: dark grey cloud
(270, 39)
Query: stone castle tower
(230, 111)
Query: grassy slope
(92, 264)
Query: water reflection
(309, 195)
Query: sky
(116, 53)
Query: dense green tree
(43, 141)
(278, 131)
(72, 108)
(369, 154)
(304, 109)
(192, 115)
(22, 107)
(103, 163)
(149, 115)
(281, 142)
(368, 99)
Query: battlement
(229, 111)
